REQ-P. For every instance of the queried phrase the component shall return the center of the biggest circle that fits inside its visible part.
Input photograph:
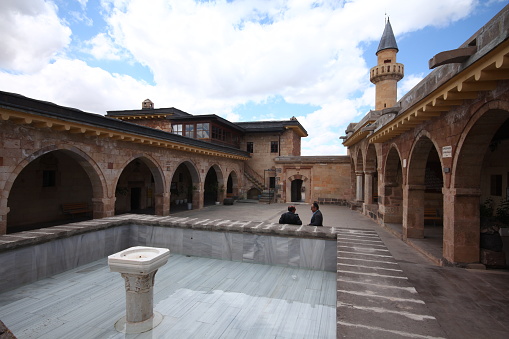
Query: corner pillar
(461, 225)
(162, 207)
(3, 220)
(103, 207)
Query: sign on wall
(447, 152)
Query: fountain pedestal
(138, 266)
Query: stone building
(435, 155)
(57, 162)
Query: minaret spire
(388, 72)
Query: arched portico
(370, 176)
(359, 173)
(184, 187)
(461, 200)
(44, 181)
(423, 190)
(392, 198)
(141, 187)
(232, 185)
(214, 188)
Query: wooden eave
(358, 135)
(298, 130)
(480, 76)
(25, 118)
(141, 117)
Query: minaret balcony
(388, 71)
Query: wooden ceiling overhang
(61, 126)
(481, 76)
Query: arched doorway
(135, 190)
(43, 186)
(296, 190)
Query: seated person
(290, 217)
(317, 218)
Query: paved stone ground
(465, 303)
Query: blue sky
(244, 60)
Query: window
(217, 133)
(203, 131)
(177, 129)
(249, 147)
(49, 178)
(274, 147)
(190, 131)
(496, 185)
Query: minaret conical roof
(388, 40)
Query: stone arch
(192, 193)
(214, 184)
(423, 191)
(462, 215)
(371, 176)
(391, 209)
(232, 184)
(98, 186)
(155, 169)
(359, 173)
(134, 191)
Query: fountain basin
(138, 260)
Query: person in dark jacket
(290, 217)
(317, 218)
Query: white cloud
(208, 57)
(31, 34)
(101, 47)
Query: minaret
(388, 72)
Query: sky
(244, 60)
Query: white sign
(447, 152)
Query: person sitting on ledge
(290, 217)
(317, 218)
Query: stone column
(368, 187)
(461, 225)
(198, 199)
(413, 211)
(162, 204)
(3, 220)
(359, 187)
(139, 296)
(103, 207)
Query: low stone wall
(332, 201)
(33, 255)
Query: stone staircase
(267, 196)
(254, 178)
